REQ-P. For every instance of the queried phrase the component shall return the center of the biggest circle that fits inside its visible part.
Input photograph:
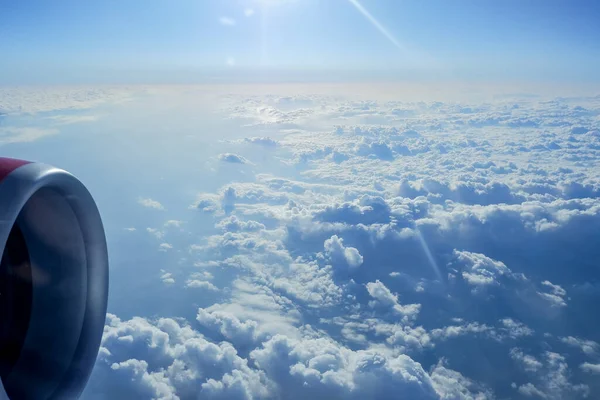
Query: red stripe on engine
(8, 165)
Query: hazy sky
(160, 40)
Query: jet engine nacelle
(53, 282)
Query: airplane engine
(53, 282)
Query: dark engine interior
(15, 299)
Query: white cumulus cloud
(150, 203)
(334, 247)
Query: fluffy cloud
(340, 254)
(232, 158)
(208, 203)
(529, 363)
(155, 232)
(166, 360)
(165, 246)
(452, 385)
(588, 347)
(229, 326)
(480, 270)
(199, 284)
(263, 141)
(556, 295)
(320, 368)
(174, 223)
(167, 278)
(591, 368)
(416, 249)
(552, 377)
(150, 203)
(234, 224)
(384, 296)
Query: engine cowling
(53, 282)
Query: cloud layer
(380, 250)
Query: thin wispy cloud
(248, 12)
(10, 134)
(227, 21)
(73, 119)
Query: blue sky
(185, 40)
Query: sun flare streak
(429, 255)
(376, 24)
